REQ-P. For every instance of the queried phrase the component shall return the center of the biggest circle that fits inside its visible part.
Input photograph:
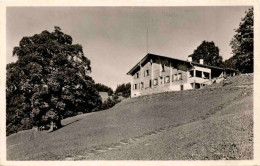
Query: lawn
(209, 123)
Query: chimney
(190, 59)
(201, 61)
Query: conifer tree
(242, 44)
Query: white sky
(114, 38)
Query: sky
(115, 38)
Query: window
(155, 81)
(167, 79)
(175, 77)
(150, 83)
(180, 76)
(142, 84)
(198, 73)
(206, 75)
(192, 73)
(136, 75)
(163, 68)
(135, 86)
(146, 73)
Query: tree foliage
(209, 53)
(123, 90)
(103, 88)
(49, 81)
(242, 44)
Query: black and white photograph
(130, 83)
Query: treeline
(103, 88)
(123, 90)
(109, 103)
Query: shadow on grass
(65, 125)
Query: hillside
(211, 123)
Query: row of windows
(146, 73)
(176, 77)
(199, 74)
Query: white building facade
(155, 74)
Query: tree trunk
(58, 124)
(51, 127)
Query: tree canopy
(49, 81)
(242, 44)
(209, 53)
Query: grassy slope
(204, 124)
(228, 134)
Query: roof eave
(137, 65)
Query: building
(155, 73)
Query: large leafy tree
(209, 53)
(18, 109)
(242, 44)
(49, 81)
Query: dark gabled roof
(150, 56)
